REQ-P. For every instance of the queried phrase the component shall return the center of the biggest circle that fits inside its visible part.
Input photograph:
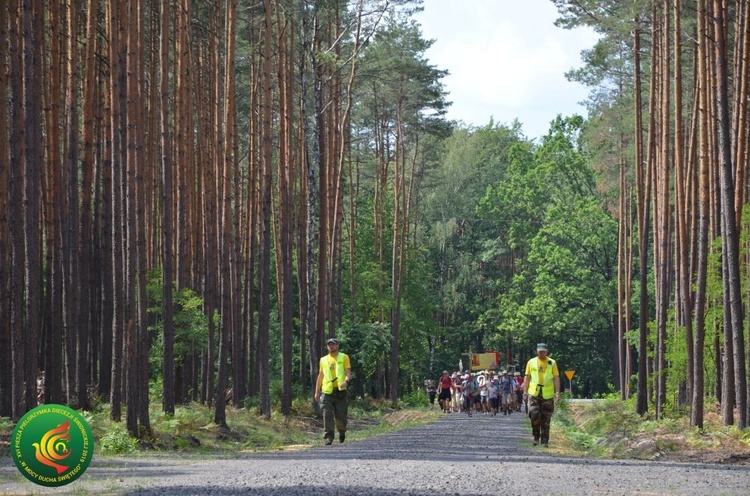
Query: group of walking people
(489, 393)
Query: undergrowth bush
(416, 398)
(118, 442)
(6, 424)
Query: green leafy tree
(190, 326)
(472, 259)
(563, 291)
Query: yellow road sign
(569, 374)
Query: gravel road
(458, 455)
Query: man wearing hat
(541, 387)
(334, 374)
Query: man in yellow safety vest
(335, 372)
(541, 387)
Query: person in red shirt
(444, 391)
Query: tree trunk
(642, 193)
(284, 248)
(168, 359)
(118, 51)
(85, 230)
(73, 308)
(251, 235)
(225, 167)
(310, 156)
(183, 111)
(133, 119)
(730, 237)
(696, 413)
(15, 211)
(264, 279)
(6, 358)
(685, 309)
(54, 327)
(107, 273)
(662, 209)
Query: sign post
(569, 374)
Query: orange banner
(483, 361)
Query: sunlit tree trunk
(396, 254)
(662, 210)
(682, 250)
(622, 269)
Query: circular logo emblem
(52, 445)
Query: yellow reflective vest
(334, 371)
(547, 381)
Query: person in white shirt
(507, 392)
(493, 392)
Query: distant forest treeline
(196, 193)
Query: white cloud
(506, 60)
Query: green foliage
(6, 424)
(118, 442)
(368, 344)
(190, 322)
(464, 247)
(676, 356)
(416, 398)
(563, 291)
(610, 428)
(580, 439)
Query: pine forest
(196, 194)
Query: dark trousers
(335, 410)
(540, 414)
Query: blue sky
(507, 60)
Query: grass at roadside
(192, 430)
(610, 428)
